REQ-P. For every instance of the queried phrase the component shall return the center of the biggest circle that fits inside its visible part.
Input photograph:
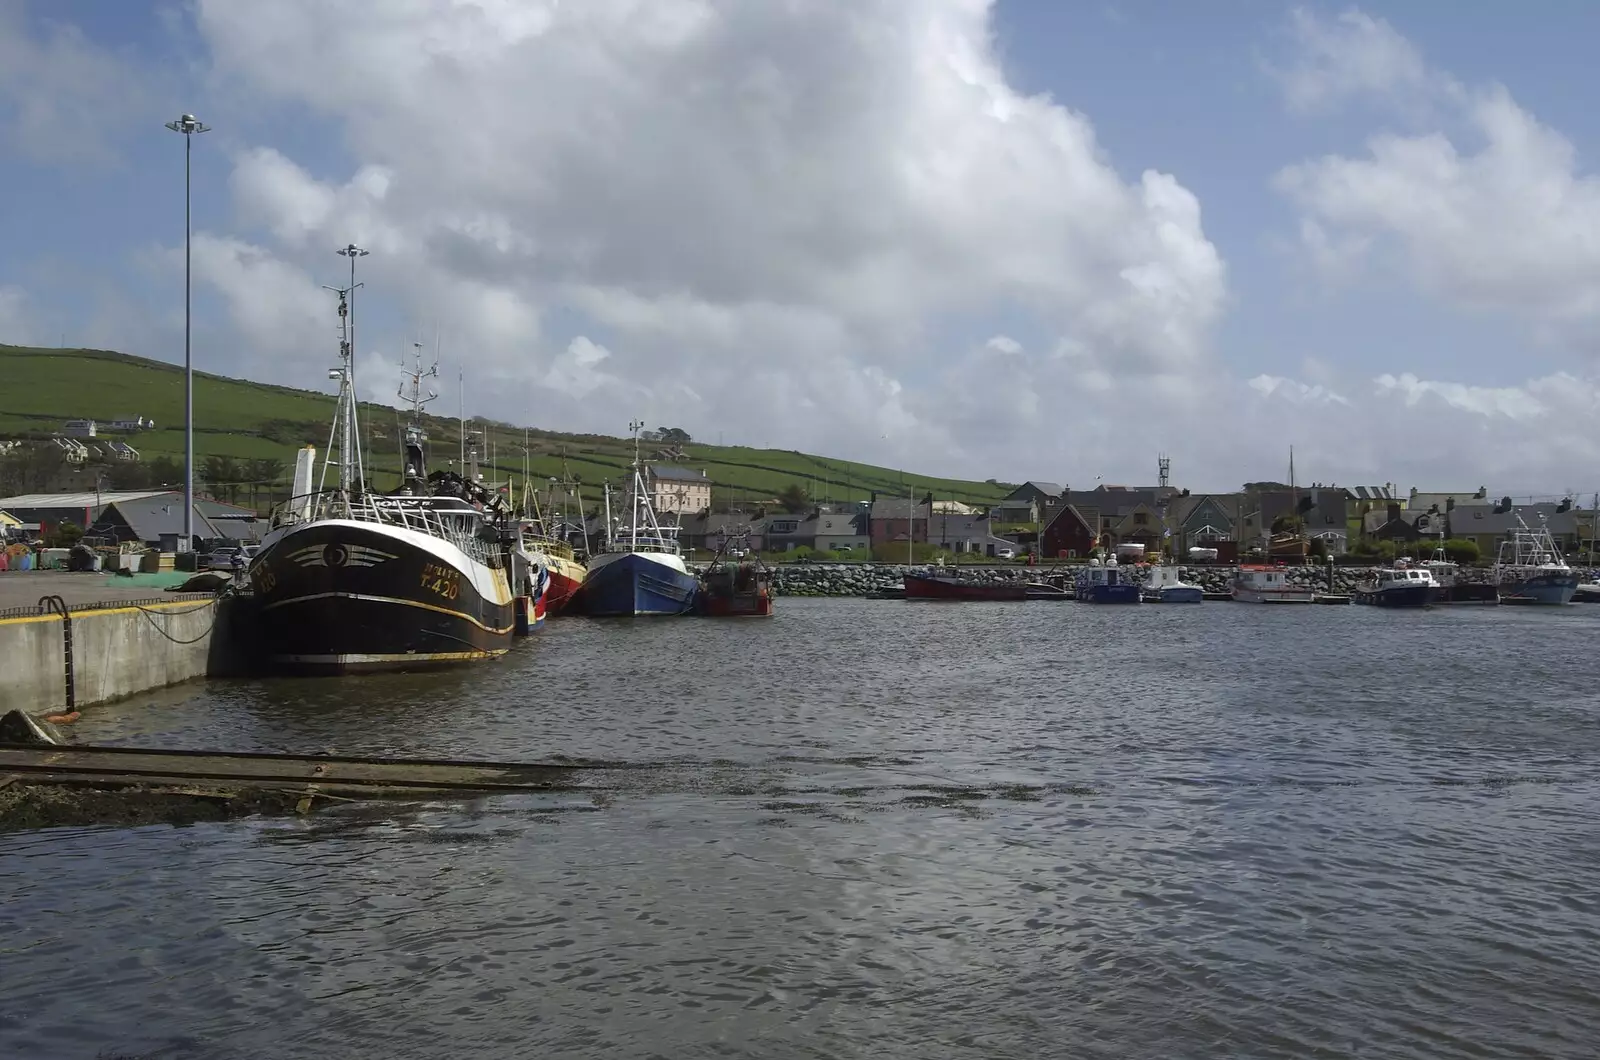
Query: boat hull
(922, 587)
(344, 597)
(1272, 596)
(566, 581)
(736, 605)
(1125, 593)
(1397, 596)
(1468, 593)
(1176, 594)
(1555, 588)
(637, 583)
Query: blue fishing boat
(641, 570)
(1103, 582)
(1531, 570)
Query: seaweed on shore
(27, 806)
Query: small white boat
(1165, 585)
(1262, 584)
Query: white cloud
(1352, 57)
(1293, 390)
(766, 216)
(63, 99)
(1507, 224)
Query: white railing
(459, 526)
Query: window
(1140, 518)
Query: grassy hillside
(40, 389)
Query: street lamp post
(188, 125)
(353, 252)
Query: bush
(65, 535)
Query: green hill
(40, 389)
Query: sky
(1011, 239)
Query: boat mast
(346, 428)
(412, 393)
(636, 487)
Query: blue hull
(1402, 596)
(1179, 594)
(634, 585)
(1108, 594)
(1540, 589)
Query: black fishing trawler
(351, 580)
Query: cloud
(776, 220)
(1507, 223)
(1349, 58)
(64, 99)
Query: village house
(966, 534)
(1031, 502)
(846, 531)
(1209, 520)
(1068, 535)
(893, 519)
(680, 490)
(788, 531)
(1485, 527)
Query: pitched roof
(674, 473)
(151, 518)
(1424, 501)
(838, 524)
(1482, 519)
(87, 499)
(896, 508)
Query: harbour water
(873, 829)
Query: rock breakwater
(872, 579)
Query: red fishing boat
(946, 587)
(735, 590)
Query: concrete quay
(113, 641)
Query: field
(40, 389)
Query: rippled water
(878, 829)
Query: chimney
(1394, 510)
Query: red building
(1068, 535)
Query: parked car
(1006, 553)
(219, 558)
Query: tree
(222, 474)
(165, 471)
(64, 535)
(1287, 524)
(265, 471)
(127, 475)
(675, 435)
(31, 467)
(794, 498)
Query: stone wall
(867, 579)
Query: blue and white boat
(1103, 582)
(641, 569)
(1401, 585)
(1165, 585)
(1531, 570)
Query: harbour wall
(115, 651)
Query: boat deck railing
(455, 525)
